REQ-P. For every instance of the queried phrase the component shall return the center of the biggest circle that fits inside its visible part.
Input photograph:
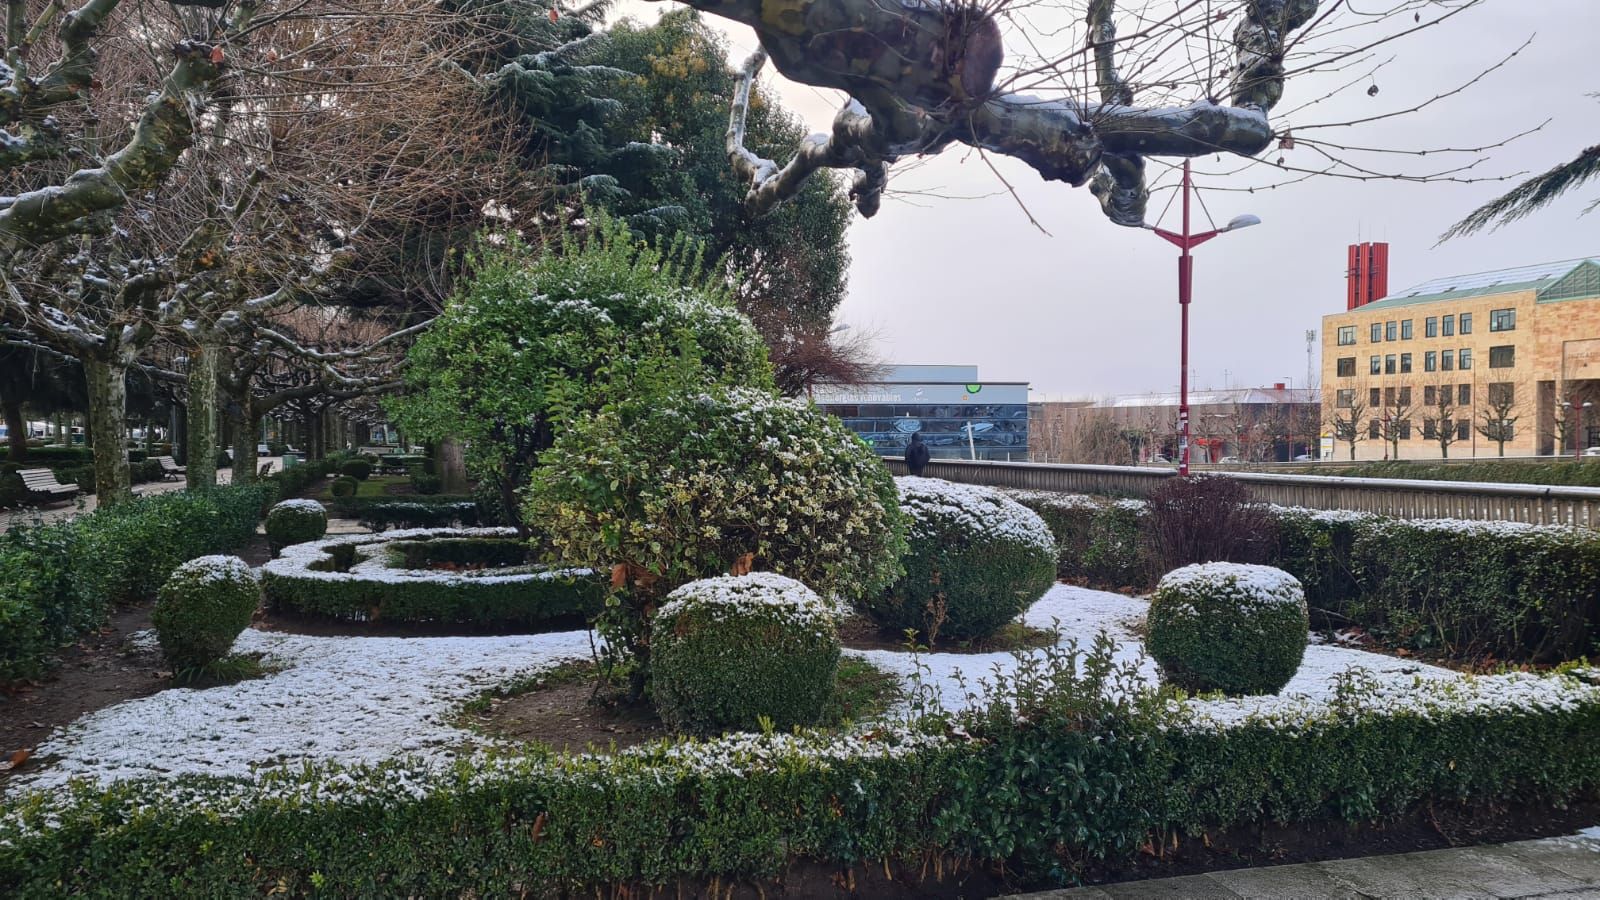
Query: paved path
(62, 512)
(1565, 867)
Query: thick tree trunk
(245, 460)
(18, 428)
(202, 444)
(108, 398)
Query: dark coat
(916, 455)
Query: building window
(1429, 432)
(1429, 394)
(1502, 393)
(1376, 367)
(1447, 360)
(1405, 429)
(1503, 320)
(1466, 323)
(1347, 335)
(1430, 361)
(1405, 330)
(1405, 396)
(1388, 396)
(1344, 399)
(1500, 357)
(1465, 358)
(1372, 428)
(1464, 395)
(1389, 365)
(1374, 398)
(1377, 332)
(1391, 331)
(1430, 326)
(1347, 367)
(1405, 363)
(1448, 328)
(1463, 430)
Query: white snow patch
(351, 699)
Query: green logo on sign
(974, 388)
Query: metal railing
(1402, 498)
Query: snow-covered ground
(354, 699)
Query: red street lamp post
(1185, 242)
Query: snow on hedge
(981, 510)
(1245, 584)
(312, 560)
(300, 505)
(781, 598)
(369, 700)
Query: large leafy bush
(669, 489)
(732, 650)
(528, 333)
(976, 559)
(1228, 627)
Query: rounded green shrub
(976, 559)
(1228, 627)
(203, 607)
(686, 486)
(359, 469)
(343, 486)
(424, 483)
(295, 522)
(732, 650)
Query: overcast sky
(1091, 309)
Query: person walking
(916, 455)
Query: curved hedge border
(306, 579)
(1069, 781)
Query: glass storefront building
(957, 415)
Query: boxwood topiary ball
(201, 609)
(295, 522)
(359, 468)
(976, 560)
(343, 486)
(729, 650)
(1228, 627)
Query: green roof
(1566, 280)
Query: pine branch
(1529, 196)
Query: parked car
(1592, 451)
(1158, 458)
(1305, 457)
(1230, 459)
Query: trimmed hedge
(53, 455)
(1228, 627)
(975, 560)
(1097, 541)
(57, 582)
(1577, 473)
(353, 578)
(295, 522)
(1499, 589)
(732, 650)
(1068, 780)
(438, 511)
(202, 608)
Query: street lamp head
(1244, 221)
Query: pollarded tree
(1497, 417)
(527, 341)
(1186, 82)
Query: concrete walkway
(31, 515)
(1566, 867)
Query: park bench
(170, 467)
(42, 482)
